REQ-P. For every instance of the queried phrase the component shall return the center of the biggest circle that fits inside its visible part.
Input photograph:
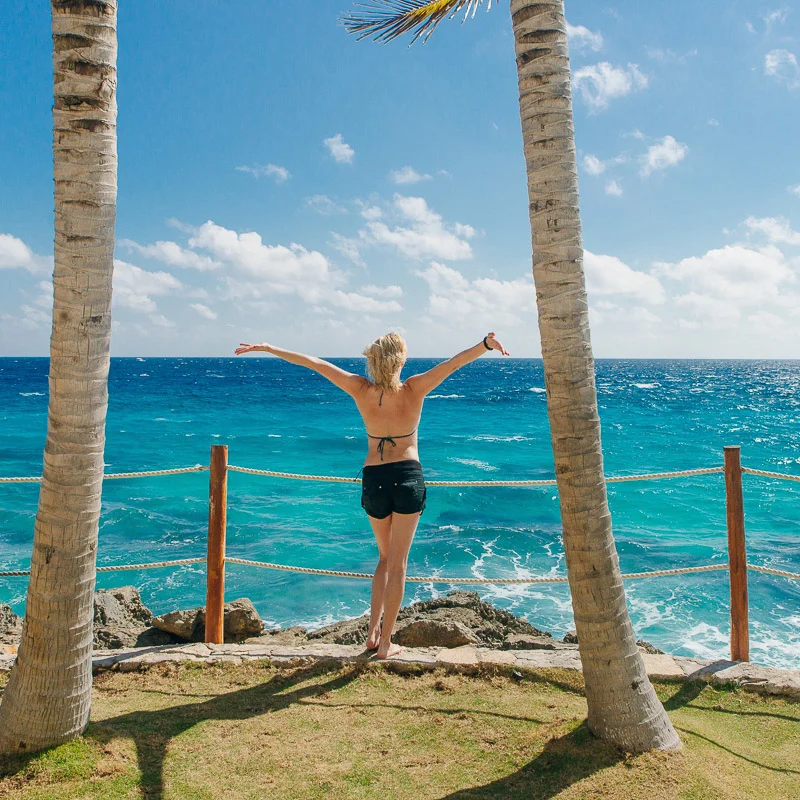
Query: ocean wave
(645, 385)
(32, 394)
(444, 396)
(473, 462)
(537, 389)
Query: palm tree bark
(623, 708)
(48, 696)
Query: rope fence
(217, 558)
(661, 573)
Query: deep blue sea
(486, 422)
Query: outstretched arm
(346, 381)
(426, 382)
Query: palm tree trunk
(48, 695)
(623, 708)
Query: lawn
(365, 731)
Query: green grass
(364, 731)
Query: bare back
(392, 415)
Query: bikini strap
(382, 440)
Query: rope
(338, 479)
(463, 581)
(770, 571)
(118, 568)
(765, 474)
(112, 475)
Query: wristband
(484, 343)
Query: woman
(393, 488)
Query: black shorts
(395, 486)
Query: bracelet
(484, 342)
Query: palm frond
(385, 20)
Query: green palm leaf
(385, 20)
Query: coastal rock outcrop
(121, 619)
(241, 622)
(570, 637)
(10, 626)
(456, 619)
(433, 633)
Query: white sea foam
(274, 436)
(473, 462)
(32, 394)
(645, 385)
(444, 396)
(537, 389)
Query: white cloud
(776, 229)
(794, 189)
(669, 56)
(581, 38)
(15, 254)
(371, 212)
(279, 174)
(161, 321)
(782, 65)
(601, 83)
(204, 311)
(714, 123)
(663, 154)
(481, 301)
(614, 189)
(734, 275)
(426, 236)
(286, 270)
(353, 301)
(778, 16)
(349, 248)
(135, 288)
(611, 277)
(339, 149)
(323, 204)
(173, 254)
(407, 175)
(382, 291)
(593, 165)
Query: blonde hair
(385, 358)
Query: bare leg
(382, 528)
(404, 527)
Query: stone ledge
(753, 677)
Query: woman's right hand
(494, 344)
(251, 348)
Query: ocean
(488, 421)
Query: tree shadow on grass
(152, 731)
(564, 761)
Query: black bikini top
(382, 440)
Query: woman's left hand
(250, 348)
(494, 344)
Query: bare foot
(374, 639)
(389, 650)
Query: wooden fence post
(737, 555)
(217, 512)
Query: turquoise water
(487, 421)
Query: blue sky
(280, 182)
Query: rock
(648, 648)
(10, 626)
(294, 635)
(572, 638)
(433, 633)
(521, 641)
(121, 619)
(183, 624)
(489, 625)
(241, 622)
